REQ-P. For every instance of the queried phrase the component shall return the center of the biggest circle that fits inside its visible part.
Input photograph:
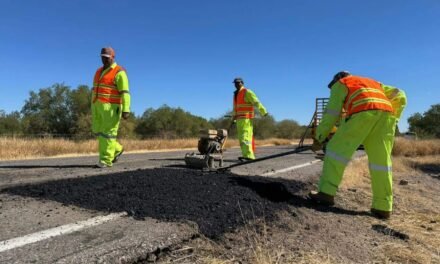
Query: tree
(81, 111)
(225, 122)
(428, 124)
(81, 100)
(48, 111)
(127, 127)
(10, 124)
(289, 129)
(264, 127)
(167, 122)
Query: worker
(110, 101)
(244, 102)
(373, 110)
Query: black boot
(322, 198)
(244, 159)
(380, 214)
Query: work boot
(117, 155)
(322, 198)
(244, 159)
(102, 165)
(380, 214)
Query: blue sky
(186, 53)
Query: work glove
(316, 146)
(125, 115)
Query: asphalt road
(64, 210)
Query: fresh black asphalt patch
(218, 203)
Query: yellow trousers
(245, 135)
(105, 124)
(375, 130)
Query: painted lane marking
(291, 168)
(57, 231)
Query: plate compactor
(210, 148)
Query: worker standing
(110, 101)
(244, 102)
(373, 110)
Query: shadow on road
(216, 202)
(46, 166)
(277, 192)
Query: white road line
(291, 168)
(57, 231)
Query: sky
(186, 53)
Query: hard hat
(337, 77)
(108, 52)
(238, 79)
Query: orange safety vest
(242, 109)
(364, 94)
(104, 87)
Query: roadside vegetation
(19, 148)
(62, 112)
(56, 121)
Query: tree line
(60, 111)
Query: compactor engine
(210, 148)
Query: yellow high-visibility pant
(105, 124)
(375, 130)
(245, 137)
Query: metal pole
(296, 150)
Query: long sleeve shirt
(333, 111)
(251, 97)
(397, 98)
(335, 105)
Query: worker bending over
(373, 110)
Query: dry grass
(12, 148)
(309, 257)
(417, 205)
(256, 246)
(413, 148)
(16, 148)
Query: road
(63, 210)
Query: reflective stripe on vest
(242, 109)
(364, 94)
(104, 87)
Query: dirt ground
(300, 232)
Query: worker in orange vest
(373, 110)
(243, 113)
(110, 102)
